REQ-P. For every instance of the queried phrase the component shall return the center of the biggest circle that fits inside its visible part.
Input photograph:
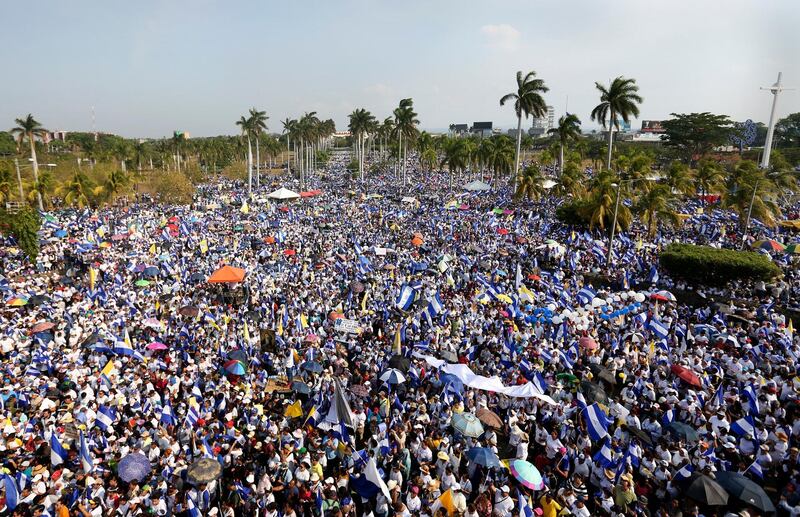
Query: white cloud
(502, 36)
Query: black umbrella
(745, 490)
(593, 392)
(238, 355)
(301, 387)
(197, 277)
(189, 310)
(399, 362)
(684, 431)
(38, 299)
(705, 490)
(641, 435)
(602, 373)
(93, 338)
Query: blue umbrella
(151, 271)
(484, 456)
(134, 466)
(311, 366)
(60, 233)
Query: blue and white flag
(523, 506)
(106, 416)
(192, 416)
(658, 328)
(752, 399)
(684, 473)
(596, 422)
(86, 457)
(605, 456)
(669, 416)
(58, 454)
(744, 426)
(755, 469)
(12, 492)
(586, 295)
(652, 276)
(167, 415)
(406, 298)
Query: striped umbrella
(467, 424)
(793, 248)
(235, 367)
(769, 245)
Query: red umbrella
(41, 327)
(534, 277)
(687, 375)
(659, 297)
(502, 231)
(289, 252)
(587, 343)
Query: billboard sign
(652, 126)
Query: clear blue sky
(151, 66)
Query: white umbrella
(393, 376)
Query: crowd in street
(388, 350)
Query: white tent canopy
(408, 200)
(283, 193)
(477, 186)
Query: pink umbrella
(155, 345)
(587, 343)
(312, 338)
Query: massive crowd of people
(390, 350)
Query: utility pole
(775, 89)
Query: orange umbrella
(270, 240)
(686, 375)
(227, 275)
(417, 240)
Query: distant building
(342, 134)
(58, 135)
(481, 128)
(652, 126)
(459, 129)
(541, 125)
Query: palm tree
(73, 191)
(679, 178)
(570, 181)
(749, 186)
(620, 99)
(258, 125)
(362, 122)
(247, 129)
(497, 154)
(405, 127)
(31, 129)
(115, 183)
(142, 151)
(39, 189)
(569, 128)
(427, 151)
(708, 176)
(656, 206)
(5, 184)
(528, 101)
(289, 127)
(602, 201)
(455, 155)
(530, 184)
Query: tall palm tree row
(527, 101)
(29, 128)
(619, 100)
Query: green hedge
(713, 266)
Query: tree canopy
(787, 131)
(696, 134)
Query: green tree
(455, 155)
(571, 181)
(258, 125)
(599, 206)
(527, 101)
(679, 178)
(362, 122)
(73, 191)
(24, 227)
(405, 128)
(787, 131)
(530, 184)
(6, 182)
(694, 135)
(39, 189)
(619, 99)
(569, 128)
(246, 125)
(747, 186)
(29, 128)
(115, 183)
(655, 206)
(708, 176)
